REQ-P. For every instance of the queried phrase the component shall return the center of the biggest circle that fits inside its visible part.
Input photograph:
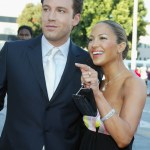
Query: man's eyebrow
(62, 7)
(45, 5)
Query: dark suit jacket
(32, 120)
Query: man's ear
(121, 47)
(76, 19)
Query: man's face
(24, 34)
(58, 20)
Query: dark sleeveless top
(96, 136)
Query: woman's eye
(89, 39)
(102, 38)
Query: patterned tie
(50, 71)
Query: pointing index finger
(82, 66)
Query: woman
(120, 98)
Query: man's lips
(51, 27)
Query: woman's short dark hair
(77, 6)
(25, 27)
(120, 34)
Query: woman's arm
(122, 126)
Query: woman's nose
(95, 43)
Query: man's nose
(52, 15)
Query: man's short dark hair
(77, 6)
(25, 27)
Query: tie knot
(53, 51)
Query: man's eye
(61, 11)
(45, 9)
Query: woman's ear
(121, 47)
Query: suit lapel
(35, 58)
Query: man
(24, 32)
(34, 118)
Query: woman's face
(103, 47)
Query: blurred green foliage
(120, 11)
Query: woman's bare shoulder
(134, 84)
(132, 78)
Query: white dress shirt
(60, 57)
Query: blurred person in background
(148, 81)
(143, 73)
(137, 71)
(24, 32)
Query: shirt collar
(46, 46)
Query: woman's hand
(89, 77)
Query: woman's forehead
(102, 28)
